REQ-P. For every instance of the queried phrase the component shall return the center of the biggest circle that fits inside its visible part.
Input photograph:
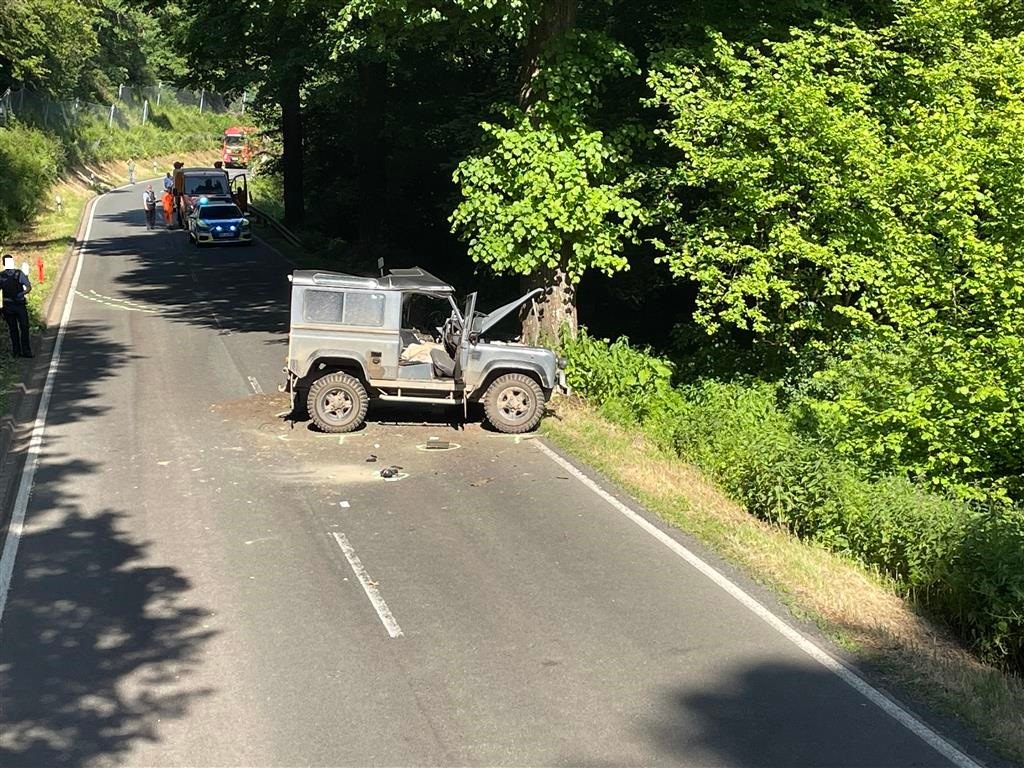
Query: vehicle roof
(414, 279)
(220, 171)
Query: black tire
(337, 403)
(514, 403)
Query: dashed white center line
(255, 385)
(369, 586)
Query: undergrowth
(960, 562)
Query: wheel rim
(337, 404)
(515, 404)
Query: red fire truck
(236, 149)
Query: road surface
(201, 583)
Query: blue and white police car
(218, 222)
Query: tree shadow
(230, 288)
(96, 643)
(95, 647)
(782, 714)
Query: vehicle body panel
(354, 323)
(236, 147)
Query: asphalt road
(187, 590)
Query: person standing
(168, 203)
(168, 182)
(131, 170)
(179, 187)
(14, 286)
(149, 206)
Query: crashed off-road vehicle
(402, 337)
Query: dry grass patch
(855, 607)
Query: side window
(323, 306)
(364, 309)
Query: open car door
(240, 192)
(462, 358)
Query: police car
(218, 222)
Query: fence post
(159, 90)
(120, 90)
(110, 122)
(243, 102)
(145, 111)
(202, 98)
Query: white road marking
(28, 472)
(255, 385)
(370, 587)
(847, 675)
(115, 303)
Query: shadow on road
(230, 288)
(88, 636)
(783, 714)
(95, 645)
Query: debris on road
(481, 482)
(437, 444)
(344, 504)
(390, 471)
(371, 458)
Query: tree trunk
(291, 163)
(557, 18)
(554, 311)
(371, 155)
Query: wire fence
(133, 104)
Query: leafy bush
(984, 586)
(29, 160)
(962, 565)
(630, 386)
(855, 195)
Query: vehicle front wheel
(514, 403)
(337, 403)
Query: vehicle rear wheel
(337, 403)
(514, 403)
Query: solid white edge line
(848, 676)
(368, 586)
(28, 472)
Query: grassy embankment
(74, 164)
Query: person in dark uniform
(15, 287)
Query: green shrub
(965, 567)
(984, 587)
(29, 160)
(630, 386)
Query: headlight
(202, 224)
(244, 223)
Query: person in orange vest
(168, 202)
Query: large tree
(273, 46)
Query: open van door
(240, 192)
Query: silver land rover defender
(402, 337)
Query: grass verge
(853, 606)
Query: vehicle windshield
(206, 185)
(234, 141)
(216, 212)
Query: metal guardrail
(275, 225)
